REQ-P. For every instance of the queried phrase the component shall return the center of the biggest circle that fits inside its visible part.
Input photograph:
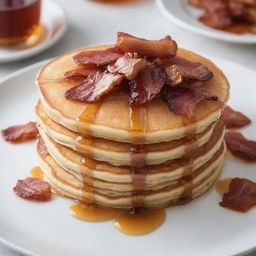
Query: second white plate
(185, 16)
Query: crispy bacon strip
(42, 148)
(214, 5)
(33, 189)
(241, 195)
(93, 88)
(100, 58)
(20, 133)
(128, 66)
(81, 72)
(234, 119)
(178, 68)
(240, 146)
(147, 85)
(164, 48)
(184, 100)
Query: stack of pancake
(111, 154)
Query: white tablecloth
(91, 24)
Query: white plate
(185, 16)
(199, 228)
(54, 24)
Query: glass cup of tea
(19, 20)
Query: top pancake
(112, 119)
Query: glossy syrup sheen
(138, 155)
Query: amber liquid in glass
(19, 20)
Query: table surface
(91, 23)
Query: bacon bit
(164, 48)
(189, 70)
(93, 88)
(20, 133)
(33, 189)
(240, 146)
(216, 20)
(100, 58)
(128, 66)
(81, 72)
(42, 149)
(237, 9)
(147, 85)
(174, 75)
(234, 119)
(241, 195)
(184, 100)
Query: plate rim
(232, 38)
(19, 248)
(45, 45)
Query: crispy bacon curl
(182, 100)
(234, 119)
(164, 48)
(20, 133)
(240, 146)
(33, 189)
(241, 195)
(101, 57)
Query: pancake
(116, 153)
(68, 185)
(112, 115)
(82, 166)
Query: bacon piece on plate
(147, 85)
(93, 88)
(42, 150)
(216, 20)
(20, 133)
(241, 195)
(128, 66)
(164, 48)
(184, 100)
(101, 57)
(240, 146)
(178, 68)
(234, 119)
(81, 72)
(33, 189)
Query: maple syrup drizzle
(36, 172)
(138, 154)
(222, 186)
(93, 214)
(88, 117)
(139, 223)
(188, 160)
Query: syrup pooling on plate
(134, 222)
(139, 223)
(138, 122)
(93, 214)
(88, 117)
(36, 172)
(222, 186)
